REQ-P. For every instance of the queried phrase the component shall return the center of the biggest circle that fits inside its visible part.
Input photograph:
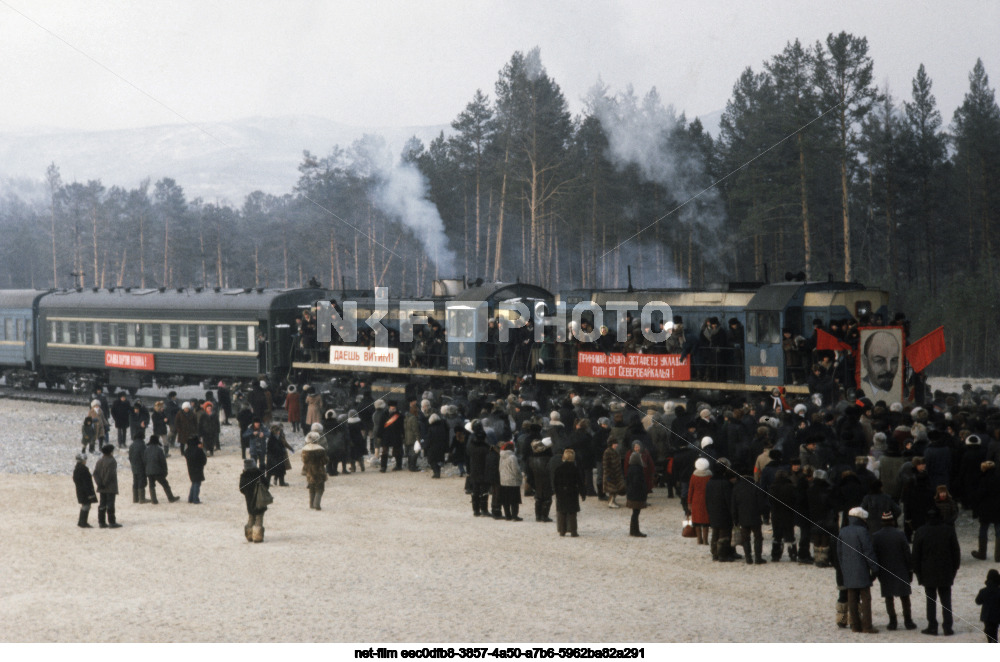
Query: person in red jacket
(696, 499)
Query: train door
(764, 357)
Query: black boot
(776, 550)
(112, 523)
(793, 553)
(82, 522)
(135, 495)
(981, 552)
(101, 522)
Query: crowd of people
(872, 490)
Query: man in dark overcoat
(895, 569)
(858, 565)
(936, 558)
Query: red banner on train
(128, 360)
(666, 367)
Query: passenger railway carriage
(127, 337)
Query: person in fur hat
(858, 564)
(252, 476)
(314, 461)
(696, 499)
(96, 415)
(538, 466)
(569, 490)
(156, 470)
(106, 479)
(277, 462)
(84, 484)
(614, 476)
(314, 407)
(437, 443)
(989, 598)
(88, 435)
(356, 437)
(894, 570)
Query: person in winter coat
(314, 407)
(120, 412)
(510, 482)
(479, 484)
(895, 568)
(945, 503)
(782, 497)
(186, 424)
(987, 509)
(718, 502)
(84, 489)
(156, 470)
(636, 491)
(823, 515)
(88, 435)
(391, 438)
(293, 407)
(989, 598)
(256, 440)
(917, 497)
(252, 476)
(194, 456)
(137, 463)
(936, 559)
(858, 564)
(96, 414)
(696, 499)
(158, 420)
(138, 421)
(437, 443)
(225, 402)
(356, 437)
(276, 459)
(538, 468)
(314, 465)
(411, 435)
(969, 471)
(569, 490)
(748, 508)
(614, 477)
(208, 428)
(106, 479)
(877, 502)
(493, 476)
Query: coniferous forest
(815, 169)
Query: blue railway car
(18, 347)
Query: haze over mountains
(218, 162)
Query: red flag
(922, 352)
(825, 340)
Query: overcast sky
(112, 64)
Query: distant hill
(218, 162)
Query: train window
(130, 333)
(121, 335)
(228, 340)
(175, 336)
(88, 333)
(8, 326)
(182, 333)
(192, 336)
(752, 328)
(251, 339)
(74, 333)
(53, 332)
(152, 335)
(202, 336)
(105, 333)
(164, 336)
(241, 333)
(768, 328)
(215, 337)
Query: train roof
(181, 298)
(776, 296)
(503, 292)
(19, 298)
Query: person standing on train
(120, 412)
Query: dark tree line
(815, 169)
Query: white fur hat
(576, 400)
(380, 404)
(554, 416)
(444, 410)
(434, 418)
(701, 464)
(95, 403)
(858, 511)
(186, 405)
(316, 427)
(668, 406)
(547, 442)
(800, 409)
(706, 441)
